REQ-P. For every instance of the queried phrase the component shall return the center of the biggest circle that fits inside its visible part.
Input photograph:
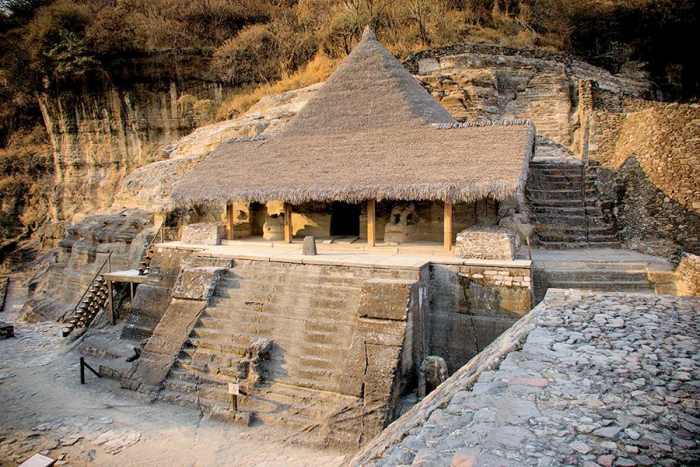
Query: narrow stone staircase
(565, 208)
(309, 312)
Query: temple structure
(330, 344)
(372, 155)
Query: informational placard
(233, 389)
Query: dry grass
(316, 71)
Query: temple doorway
(345, 219)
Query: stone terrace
(603, 379)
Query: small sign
(233, 389)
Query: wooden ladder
(145, 263)
(94, 299)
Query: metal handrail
(99, 271)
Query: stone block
(197, 283)
(480, 242)
(6, 331)
(385, 299)
(204, 233)
(309, 247)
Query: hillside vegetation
(266, 46)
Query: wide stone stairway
(309, 313)
(566, 209)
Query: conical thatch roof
(370, 132)
(370, 89)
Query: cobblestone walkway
(602, 380)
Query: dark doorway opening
(345, 219)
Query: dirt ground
(43, 408)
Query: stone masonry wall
(689, 275)
(471, 306)
(655, 149)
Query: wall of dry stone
(689, 275)
(655, 149)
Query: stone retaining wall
(463, 379)
(471, 306)
(655, 148)
(689, 275)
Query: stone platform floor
(413, 256)
(603, 379)
(587, 255)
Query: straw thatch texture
(370, 89)
(424, 163)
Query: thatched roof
(370, 132)
(370, 89)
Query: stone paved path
(602, 380)
(43, 408)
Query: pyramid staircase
(309, 312)
(94, 299)
(565, 208)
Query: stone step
(241, 321)
(537, 170)
(567, 211)
(305, 377)
(283, 337)
(234, 298)
(571, 220)
(593, 275)
(548, 184)
(602, 286)
(296, 288)
(597, 241)
(562, 203)
(569, 229)
(296, 359)
(566, 245)
(293, 277)
(539, 194)
(306, 356)
(270, 396)
(316, 318)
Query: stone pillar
(287, 223)
(448, 226)
(371, 222)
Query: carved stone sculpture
(401, 227)
(250, 369)
(273, 228)
(433, 371)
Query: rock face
(99, 138)
(487, 83)
(82, 253)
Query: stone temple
(416, 234)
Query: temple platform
(356, 254)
